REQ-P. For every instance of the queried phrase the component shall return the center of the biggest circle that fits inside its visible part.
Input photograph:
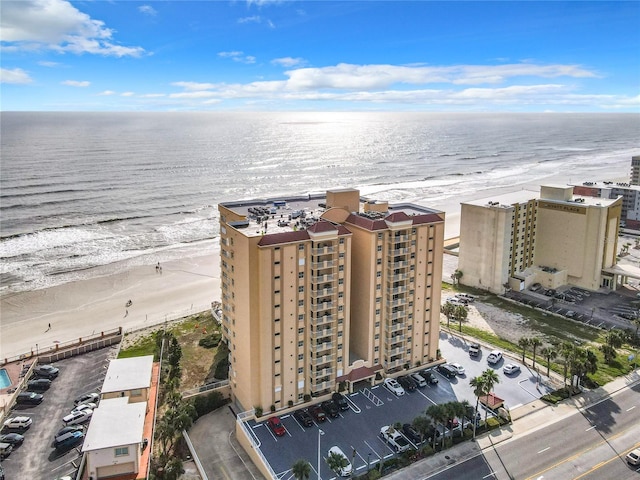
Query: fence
(205, 388)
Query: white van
(466, 296)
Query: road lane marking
(590, 428)
(630, 408)
(544, 449)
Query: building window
(137, 392)
(300, 343)
(379, 236)
(300, 289)
(277, 263)
(122, 451)
(342, 241)
(378, 274)
(379, 261)
(277, 277)
(301, 317)
(301, 247)
(379, 248)
(300, 274)
(300, 356)
(301, 330)
(300, 370)
(276, 292)
(341, 268)
(301, 303)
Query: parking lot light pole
(320, 432)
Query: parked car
(330, 408)
(87, 398)
(419, 380)
(429, 376)
(17, 423)
(457, 302)
(633, 457)
(447, 370)
(317, 413)
(411, 433)
(510, 368)
(69, 440)
(38, 385)
(84, 406)
(394, 387)
(407, 383)
(29, 398)
(340, 400)
(14, 439)
(474, 350)
(347, 469)
(459, 368)
(46, 371)
(76, 418)
(494, 357)
(276, 426)
(394, 438)
(466, 296)
(70, 428)
(453, 424)
(5, 450)
(303, 417)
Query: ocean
(86, 194)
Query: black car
(447, 370)
(46, 371)
(14, 439)
(70, 428)
(38, 385)
(29, 398)
(318, 413)
(340, 401)
(303, 417)
(407, 383)
(330, 408)
(430, 378)
(411, 433)
(69, 440)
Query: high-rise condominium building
(324, 289)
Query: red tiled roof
(427, 218)
(492, 400)
(284, 237)
(366, 222)
(360, 374)
(397, 217)
(322, 226)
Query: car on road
(87, 398)
(447, 370)
(46, 371)
(459, 368)
(20, 423)
(407, 383)
(317, 413)
(303, 417)
(394, 387)
(69, 440)
(419, 380)
(77, 417)
(394, 438)
(340, 400)
(276, 426)
(411, 433)
(510, 368)
(14, 439)
(494, 357)
(348, 468)
(84, 406)
(29, 398)
(330, 408)
(38, 385)
(429, 376)
(633, 457)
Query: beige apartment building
(324, 289)
(553, 238)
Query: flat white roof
(128, 374)
(115, 423)
(505, 199)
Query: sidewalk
(525, 419)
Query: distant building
(635, 170)
(554, 238)
(323, 289)
(630, 215)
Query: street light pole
(320, 432)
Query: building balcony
(322, 250)
(399, 315)
(398, 277)
(400, 238)
(397, 302)
(319, 307)
(396, 290)
(323, 320)
(394, 340)
(323, 347)
(394, 363)
(323, 264)
(323, 278)
(395, 327)
(325, 332)
(399, 251)
(323, 292)
(396, 351)
(397, 263)
(323, 386)
(322, 360)
(323, 372)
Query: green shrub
(210, 341)
(222, 369)
(204, 404)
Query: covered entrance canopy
(621, 274)
(359, 374)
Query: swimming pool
(5, 381)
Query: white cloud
(127, 94)
(199, 94)
(147, 10)
(152, 95)
(288, 62)
(16, 75)
(57, 25)
(76, 83)
(231, 54)
(49, 64)
(106, 93)
(253, 19)
(194, 85)
(238, 56)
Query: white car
(86, 398)
(494, 357)
(419, 379)
(458, 302)
(394, 386)
(510, 368)
(459, 368)
(76, 418)
(84, 406)
(18, 423)
(466, 297)
(633, 457)
(344, 471)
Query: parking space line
(373, 450)
(426, 397)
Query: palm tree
(336, 461)
(479, 385)
(447, 309)
(535, 342)
(491, 379)
(460, 313)
(566, 352)
(457, 275)
(301, 470)
(423, 425)
(550, 353)
(462, 412)
(523, 343)
(439, 415)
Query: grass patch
(144, 346)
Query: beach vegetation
(204, 404)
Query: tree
(479, 385)
(336, 461)
(462, 412)
(447, 310)
(523, 343)
(460, 314)
(608, 352)
(549, 353)
(457, 275)
(173, 469)
(439, 415)
(566, 352)
(535, 343)
(301, 470)
(491, 379)
(423, 425)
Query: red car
(276, 426)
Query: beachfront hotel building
(553, 237)
(324, 289)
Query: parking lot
(36, 458)
(357, 430)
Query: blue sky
(263, 55)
